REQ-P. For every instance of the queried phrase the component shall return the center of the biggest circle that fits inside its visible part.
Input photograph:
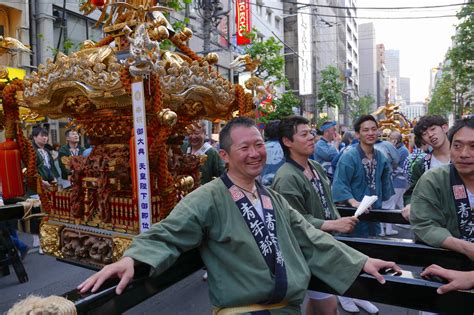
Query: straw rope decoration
(36, 305)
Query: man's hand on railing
(457, 280)
(341, 225)
(124, 269)
(373, 266)
(406, 212)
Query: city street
(190, 296)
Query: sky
(423, 43)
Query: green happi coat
(291, 182)
(209, 219)
(433, 212)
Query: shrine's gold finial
(12, 46)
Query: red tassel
(10, 170)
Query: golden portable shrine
(93, 221)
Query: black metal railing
(375, 215)
(408, 252)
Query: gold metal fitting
(162, 32)
(167, 117)
(212, 58)
(186, 183)
(187, 32)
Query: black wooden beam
(408, 290)
(11, 212)
(376, 215)
(408, 252)
(141, 288)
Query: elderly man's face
(247, 154)
(394, 137)
(330, 133)
(462, 151)
(196, 139)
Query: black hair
(426, 122)
(39, 131)
(461, 123)
(288, 127)
(69, 131)
(348, 137)
(362, 119)
(271, 130)
(418, 142)
(225, 140)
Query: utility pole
(211, 11)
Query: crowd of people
(266, 223)
(53, 172)
(266, 212)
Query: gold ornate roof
(91, 72)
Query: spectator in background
(71, 148)
(389, 150)
(275, 156)
(363, 171)
(400, 178)
(326, 148)
(45, 166)
(431, 130)
(214, 166)
(348, 139)
(44, 159)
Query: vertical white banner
(305, 50)
(141, 156)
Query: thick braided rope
(36, 305)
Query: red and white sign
(243, 21)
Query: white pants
(396, 201)
(315, 295)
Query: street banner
(243, 21)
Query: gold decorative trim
(120, 245)
(51, 239)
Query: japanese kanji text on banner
(141, 151)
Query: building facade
(392, 64)
(405, 89)
(382, 79)
(367, 62)
(414, 110)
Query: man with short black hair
(442, 202)
(363, 171)
(305, 186)
(275, 157)
(431, 130)
(44, 159)
(259, 252)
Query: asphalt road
(48, 276)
